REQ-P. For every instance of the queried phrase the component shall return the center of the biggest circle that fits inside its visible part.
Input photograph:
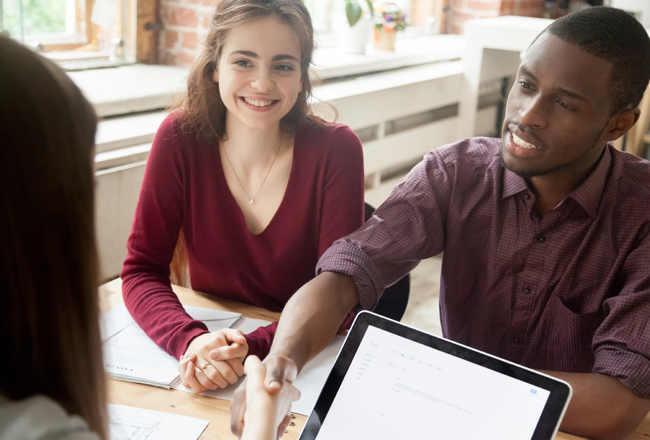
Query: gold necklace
(251, 200)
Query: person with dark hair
(245, 182)
(545, 233)
(52, 381)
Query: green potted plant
(354, 12)
(357, 34)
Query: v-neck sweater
(184, 188)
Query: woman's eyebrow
(251, 54)
(285, 57)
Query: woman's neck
(252, 148)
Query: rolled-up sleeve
(405, 229)
(622, 343)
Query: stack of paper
(130, 355)
(128, 423)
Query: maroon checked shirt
(569, 291)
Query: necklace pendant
(250, 201)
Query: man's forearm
(601, 407)
(312, 317)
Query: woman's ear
(215, 75)
(621, 123)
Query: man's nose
(533, 112)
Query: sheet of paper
(132, 354)
(119, 318)
(129, 423)
(310, 381)
(129, 354)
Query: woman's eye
(242, 63)
(284, 68)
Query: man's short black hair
(617, 37)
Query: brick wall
(463, 10)
(186, 25)
(186, 22)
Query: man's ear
(621, 124)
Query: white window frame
(70, 36)
(74, 35)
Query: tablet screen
(387, 385)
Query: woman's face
(259, 72)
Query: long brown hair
(49, 329)
(204, 111)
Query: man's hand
(213, 360)
(266, 415)
(601, 407)
(280, 373)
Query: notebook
(391, 381)
(130, 355)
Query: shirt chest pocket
(566, 336)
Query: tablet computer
(391, 381)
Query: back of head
(49, 329)
(617, 37)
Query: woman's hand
(266, 415)
(201, 370)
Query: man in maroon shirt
(545, 233)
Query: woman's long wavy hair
(204, 111)
(49, 328)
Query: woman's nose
(263, 83)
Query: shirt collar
(512, 183)
(589, 193)
(586, 195)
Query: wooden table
(208, 408)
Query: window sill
(139, 88)
(334, 62)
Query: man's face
(557, 110)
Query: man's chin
(525, 173)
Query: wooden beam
(148, 30)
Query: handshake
(260, 406)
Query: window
(39, 18)
(423, 16)
(83, 32)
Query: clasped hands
(213, 360)
(262, 402)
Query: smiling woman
(245, 183)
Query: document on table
(310, 381)
(129, 423)
(130, 355)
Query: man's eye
(525, 85)
(563, 105)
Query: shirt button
(540, 238)
(516, 339)
(526, 290)
(527, 196)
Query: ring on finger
(204, 364)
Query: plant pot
(385, 38)
(355, 38)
